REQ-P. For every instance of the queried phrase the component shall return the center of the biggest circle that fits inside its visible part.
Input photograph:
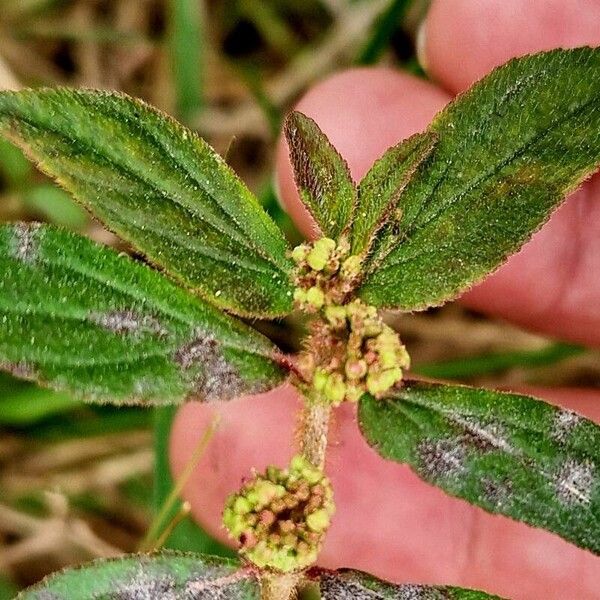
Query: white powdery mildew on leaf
(21, 370)
(338, 589)
(46, 595)
(217, 379)
(24, 243)
(497, 493)
(127, 322)
(441, 459)
(148, 586)
(335, 588)
(574, 482)
(484, 436)
(564, 423)
(220, 588)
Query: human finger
(462, 40)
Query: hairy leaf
(507, 453)
(322, 175)
(159, 186)
(508, 151)
(346, 584)
(380, 189)
(79, 317)
(167, 576)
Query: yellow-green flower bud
(319, 254)
(315, 297)
(380, 382)
(354, 392)
(373, 384)
(371, 327)
(403, 357)
(241, 506)
(391, 377)
(336, 315)
(266, 491)
(320, 380)
(302, 469)
(355, 369)
(319, 520)
(300, 295)
(335, 388)
(388, 358)
(299, 253)
(351, 267)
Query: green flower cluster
(280, 518)
(324, 273)
(369, 358)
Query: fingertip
(465, 39)
(363, 112)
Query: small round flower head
(280, 517)
(324, 273)
(366, 355)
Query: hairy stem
(279, 586)
(315, 428)
(313, 445)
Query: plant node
(280, 517)
(349, 352)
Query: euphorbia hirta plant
(433, 215)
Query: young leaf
(509, 454)
(144, 577)
(380, 189)
(508, 151)
(79, 317)
(159, 186)
(321, 174)
(346, 584)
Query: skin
(388, 522)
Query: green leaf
(81, 318)
(139, 577)
(8, 590)
(496, 362)
(187, 42)
(160, 187)
(508, 151)
(321, 174)
(381, 188)
(23, 403)
(55, 206)
(14, 167)
(346, 584)
(509, 454)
